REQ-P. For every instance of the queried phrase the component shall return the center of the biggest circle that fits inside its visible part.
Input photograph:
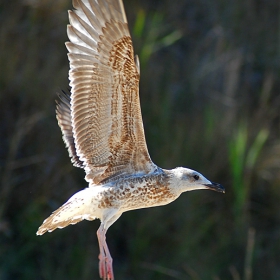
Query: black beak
(215, 187)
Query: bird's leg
(105, 259)
(102, 267)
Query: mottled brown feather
(50, 225)
(70, 213)
(63, 115)
(105, 108)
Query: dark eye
(196, 177)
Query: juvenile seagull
(102, 128)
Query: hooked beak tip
(215, 187)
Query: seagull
(102, 128)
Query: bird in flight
(102, 128)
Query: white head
(186, 179)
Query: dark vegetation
(210, 100)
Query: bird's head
(188, 180)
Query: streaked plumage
(102, 128)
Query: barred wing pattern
(105, 108)
(63, 115)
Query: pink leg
(105, 259)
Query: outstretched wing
(105, 108)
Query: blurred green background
(210, 100)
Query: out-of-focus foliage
(210, 101)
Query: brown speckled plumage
(102, 128)
(139, 192)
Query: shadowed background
(210, 100)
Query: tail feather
(76, 209)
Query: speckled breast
(138, 192)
